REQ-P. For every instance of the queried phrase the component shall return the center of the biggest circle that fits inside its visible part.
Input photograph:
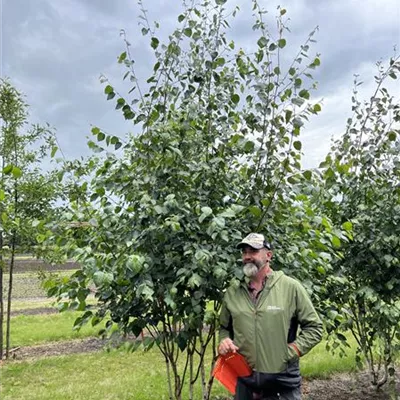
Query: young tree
(155, 229)
(361, 178)
(25, 195)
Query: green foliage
(25, 193)
(218, 156)
(361, 182)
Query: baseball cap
(256, 241)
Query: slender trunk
(171, 396)
(10, 286)
(178, 387)
(191, 383)
(202, 371)
(1, 296)
(214, 358)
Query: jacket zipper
(262, 297)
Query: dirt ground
(33, 265)
(346, 387)
(338, 387)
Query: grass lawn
(30, 304)
(17, 305)
(105, 375)
(119, 375)
(28, 330)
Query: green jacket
(262, 331)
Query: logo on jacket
(274, 308)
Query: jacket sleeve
(309, 321)
(225, 322)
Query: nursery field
(49, 360)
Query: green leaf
(307, 174)
(195, 281)
(4, 217)
(7, 170)
(205, 212)
(272, 47)
(235, 98)
(336, 242)
(288, 115)
(249, 146)
(321, 270)
(110, 96)
(156, 66)
(53, 151)
(108, 89)
(283, 11)
(256, 211)
(297, 145)
(348, 226)
(181, 18)
(220, 61)
(2, 195)
(187, 32)
(281, 43)
(316, 108)
(304, 94)
(298, 101)
(120, 103)
(392, 136)
(262, 42)
(95, 131)
(101, 136)
(17, 173)
(297, 122)
(122, 57)
(154, 42)
(292, 71)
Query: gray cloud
(55, 51)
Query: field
(52, 361)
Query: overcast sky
(55, 50)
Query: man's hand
(227, 346)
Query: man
(260, 320)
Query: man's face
(254, 260)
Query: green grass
(28, 330)
(319, 363)
(114, 375)
(17, 305)
(121, 375)
(30, 304)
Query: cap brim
(252, 245)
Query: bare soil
(35, 311)
(57, 349)
(34, 265)
(347, 387)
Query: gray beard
(250, 270)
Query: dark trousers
(244, 392)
